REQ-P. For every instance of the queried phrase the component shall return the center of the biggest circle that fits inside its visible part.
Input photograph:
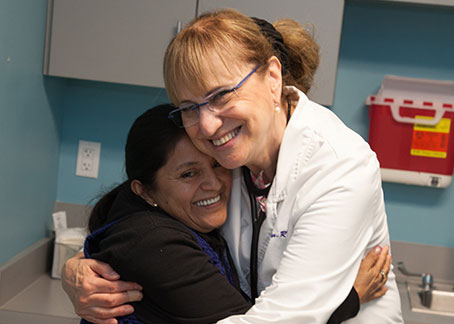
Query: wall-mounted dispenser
(412, 130)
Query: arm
(369, 285)
(179, 282)
(95, 291)
(335, 213)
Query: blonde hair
(303, 53)
(234, 38)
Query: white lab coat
(325, 211)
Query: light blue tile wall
(377, 39)
(30, 119)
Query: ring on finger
(383, 275)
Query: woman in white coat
(311, 184)
(239, 87)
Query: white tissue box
(68, 241)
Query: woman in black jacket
(159, 227)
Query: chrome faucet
(427, 284)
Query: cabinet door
(324, 15)
(112, 40)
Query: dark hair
(151, 139)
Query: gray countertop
(44, 299)
(29, 295)
(44, 302)
(27, 292)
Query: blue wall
(377, 39)
(30, 118)
(100, 112)
(412, 41)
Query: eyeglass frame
(172, 114)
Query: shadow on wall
(54, 90)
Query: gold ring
(383, 275)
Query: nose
(209, 121)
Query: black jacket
(180, 284)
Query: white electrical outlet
(88, 159)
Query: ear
(139, 189)
(275, 77)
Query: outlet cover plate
(88, 159)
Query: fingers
(376, 258)
(103, 315)
(387, 265)
(90, 279)
(110, 300)
(373, 274)
(382, 268)
(371, 258)
(375, 285)
(100, 285)
(78, 255)
(379, 293)
(382, 258)
(95, 320)
(134, 295)
(382, 276)
(104, 270)
(96, 299)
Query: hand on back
(96, 291)
(373, 274)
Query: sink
(442, 298)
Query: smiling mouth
(226, 138)
(207, 202)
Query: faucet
(425, 294)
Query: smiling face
(193, 188)
(247, 130)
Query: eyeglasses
(188, 114)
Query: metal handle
(427, 278)
(179, 25)
(427, 281)
(401, 267)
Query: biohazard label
(431, 141)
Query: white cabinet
(325, 15)
(112, 40)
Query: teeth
(226, 138)
(207, 202)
